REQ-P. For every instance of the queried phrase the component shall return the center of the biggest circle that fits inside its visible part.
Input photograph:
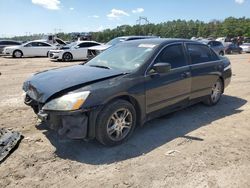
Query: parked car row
(83, 50)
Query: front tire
(67, 57)
(216, 93)
(116, 123)
(17, 54)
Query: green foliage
(230, 27)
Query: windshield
(125, 58)
(115, 41)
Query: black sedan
(125, 86)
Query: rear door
(30, 49)
(172, 88)
(81, 51)
(43, 48)
(205, 67)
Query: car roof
(84, 41)
(159, 41)
(136, 36)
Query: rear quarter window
(200, 54)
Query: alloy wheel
(18, 54)
(216, 91)
(119, 124)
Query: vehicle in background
(74, 51)
(7, 43)
(233, 48)
(94, 51)
(29, 49)
(217, 46)
(245, 47)
(226, 41)
(126, 86)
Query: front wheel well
(222, 79)
(13, 54)
(133, 101)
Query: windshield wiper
(100, 66)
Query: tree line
(230, 27)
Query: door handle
(186, 74)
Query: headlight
(72, 101)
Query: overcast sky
(19, 17)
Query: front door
(172, 88)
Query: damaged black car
(125, 86)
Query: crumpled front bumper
(73, 125)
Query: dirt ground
(197, 147)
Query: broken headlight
(71, 101)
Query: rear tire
(216, 93)
(17, 54)
(67, 57)
(221, 53)
(116, 123)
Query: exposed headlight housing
(69, 102)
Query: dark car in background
(94, 51)
(217, 46)
(233, 48)
(125, 86)
(7, 43)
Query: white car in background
(29, 49)
(74, 51)
(245, 47)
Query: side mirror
(162, 68)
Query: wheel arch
(67, 52)
(16, 50)
(131, 100)
(223, 82)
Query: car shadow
(147, 138)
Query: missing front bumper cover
(73, 125)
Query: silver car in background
(7, 43)
(217, 46)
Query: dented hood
(43, 85)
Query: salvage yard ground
(196, 147)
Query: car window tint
(12, 43)
(43, 44)
(33, 44)
(216, 43)
(199, 53)
(88, 44)
(174, 55)
(215, 57)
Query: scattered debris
(171, 152)
(8, 141)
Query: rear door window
(174, 55)
(88, 44)
(42, 44)
(200, 54)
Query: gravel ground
(196, 147)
